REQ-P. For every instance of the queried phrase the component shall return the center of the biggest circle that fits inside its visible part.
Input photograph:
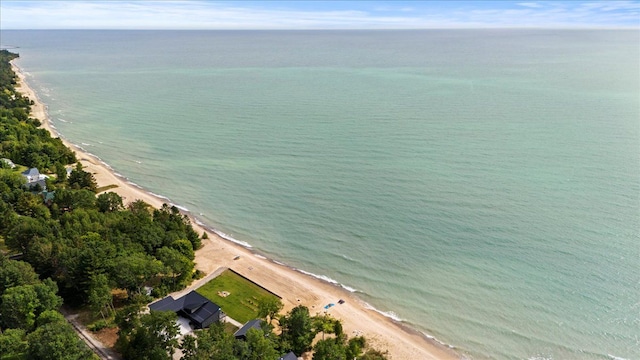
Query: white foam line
(390, 314)
(324, 278)
(161, 197)
(230, 238)
(179, 207)
(134, 184)
(321, 277)
(348, 288)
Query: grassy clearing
(20, 168)
(3, 246)
(105, 188)
(244, 297)
(230, 328)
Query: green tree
(48, 299)
(56, 340)
(26, 232)
(297, 332)
(324, 323)
(100, 297)
(212, 343)
(31, 205)
(153, 337)
(13, 344)
(178, 266)
(373, 354)
(49, 317)
(185, 248)
(10, 180)
(260, 346)
(61, 173)
(70, 200)
(109, 202)
(15, 273)
(268, 308)
(131, 272)
(80, 179)
(330, 349)
(355, 346)
(18, 307)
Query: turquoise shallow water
(482, 186)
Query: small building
(241, 334)
(34, 178)
(8, 162)
(48, 197)
(200, 311)
(288, 356)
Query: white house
(34, 178)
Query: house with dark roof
(193, 306)
(241, 334)
(288, 356)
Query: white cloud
(212, 15)
(184, 15)
(530, 5)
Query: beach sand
(294, 287)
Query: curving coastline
(295, 286)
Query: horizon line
(343, 29)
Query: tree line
(156, 333)
(77, 247)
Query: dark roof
(289, 356)
(198, 308)
(31, 172)
(193, 305)
(166, 304)
(251, 324)
(31, 185)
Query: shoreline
(294, 286)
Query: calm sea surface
(482, 186)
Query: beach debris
(236, 257)
(341, 301)
(329, 305)
(223, 293)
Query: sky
(122, 14)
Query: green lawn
(230, 328)
(105, 188)
(242, 302)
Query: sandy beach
(294, 287)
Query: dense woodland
(81, 248)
